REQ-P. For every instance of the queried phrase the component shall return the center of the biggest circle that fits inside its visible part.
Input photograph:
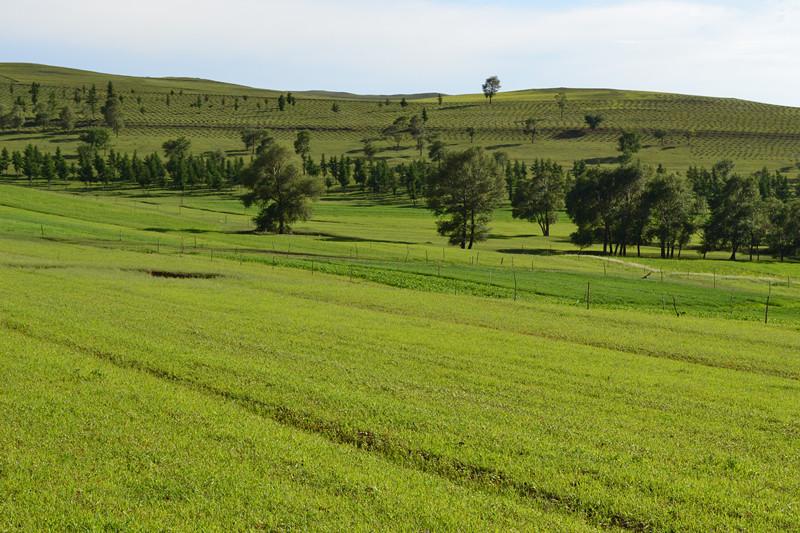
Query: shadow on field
(610, 160)
(455, 107)
(180, 275)
(328, 237)
(570, 134)
(181, 230)
(498, 146)
(506, 237)
(534, 251)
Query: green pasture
(281, 390)
(164, 367)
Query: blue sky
(741, 48)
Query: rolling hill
(678, 130)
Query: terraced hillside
(696, 130)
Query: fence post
(588, 293)
(515, 284)
(766, 307)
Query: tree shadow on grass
(498, 146)
(570, 134)
(180, 230)
(610, 160)
(506, 237)
(533, 251)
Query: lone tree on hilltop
(593, 121)
(490, 87)
(277, 188)
(463, 192)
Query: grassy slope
(750, 133)
(287, 397)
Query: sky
(741, 48)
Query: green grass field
(751, 134)
(163, 367)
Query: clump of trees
(630, 205)
(540, 197)
(463, 192)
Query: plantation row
(708, 127)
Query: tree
(471, 133)
(335, 107)
(628, 144)
(561, 102)
(732, 215)
(35, 87)
(416, 128)
(91, 99)
(593, 121)
(539, 198)
(67, 118)
(783, 236)
(252, 138)
(369, 148)
(281, 102)
(31, 162)
(62, 169)
(439, 98)
(603, 203)
(403, 102)
(112, 113)
(302, 145)
(5, 160)
(436, 150)
(660, 136)
(86, 155)
(177, 152)
(278, 189)
(97, 138)
(462, 193)
(396, 130)
(491, 87)
(529, 128)
(424, 115)
(672, 207)
(48, 168)
(42, 116)
(17, 161)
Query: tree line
(619, 207)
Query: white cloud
(695, 46)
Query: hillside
(163, 365)
(696, 130)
